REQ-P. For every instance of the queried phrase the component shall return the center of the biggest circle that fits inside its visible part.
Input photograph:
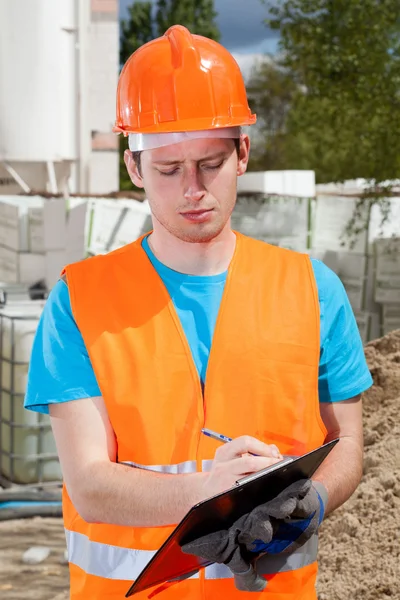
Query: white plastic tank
(27, 447)
(38, 80)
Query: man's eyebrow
(220, 154)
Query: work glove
(295, 516)
(283, 524)
(222, 547)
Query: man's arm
(342, 470)
(106, 492)
(100, 489)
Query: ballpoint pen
(220, 437)
(216, 436)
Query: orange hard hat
(181, 82)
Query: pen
(216, 436)
(219, 437)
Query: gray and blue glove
(294, 515)
(281, 525)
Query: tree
(197, 15)
(344, 56)
(146, 22)
(137, 30)
(270, 91)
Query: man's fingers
(247, 444)
(251, 464)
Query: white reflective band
(306, 555)
(149, 141)
(269, 564)
(188, 466)
(104, 560)
(206, 465)
(217, 571)
(114, 562)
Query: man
(191, 326)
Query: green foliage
(137, 30)
(343, 55)
(197, 15)
(270, 92)
(146, 22)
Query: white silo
(44, 133)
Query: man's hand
(235, 460)
(289, 520)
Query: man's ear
(132, 169)
(244, 151)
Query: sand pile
(360, 542)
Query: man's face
(191, 186)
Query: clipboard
(220, 512)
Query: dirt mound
(360, 543)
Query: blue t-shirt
(60, 368)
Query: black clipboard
(220, 512)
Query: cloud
(242, 26)
(247, 62)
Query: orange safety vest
(262, 380)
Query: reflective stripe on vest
(113, 562)
(269, 564)
(104, 560)
(189, 466)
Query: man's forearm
(122, 495)
(341, 471)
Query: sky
(241, 26)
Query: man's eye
(213, 167)
(168, 173)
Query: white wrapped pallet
(381, 227)
(55, 261)
(76, 232)
(47, 226)
(375, 330)
(116, 223)
(363, 320)
(387, 253)
(297, 183)
(390, 324)
(332, 215)
(350, 268)
(390, 317)
(278, 220)
(21, 267)
(27, 447)
(14, 220)
(355, 292)
(388, 292)
(387, 271)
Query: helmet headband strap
(150, 141)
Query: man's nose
(193, 186)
